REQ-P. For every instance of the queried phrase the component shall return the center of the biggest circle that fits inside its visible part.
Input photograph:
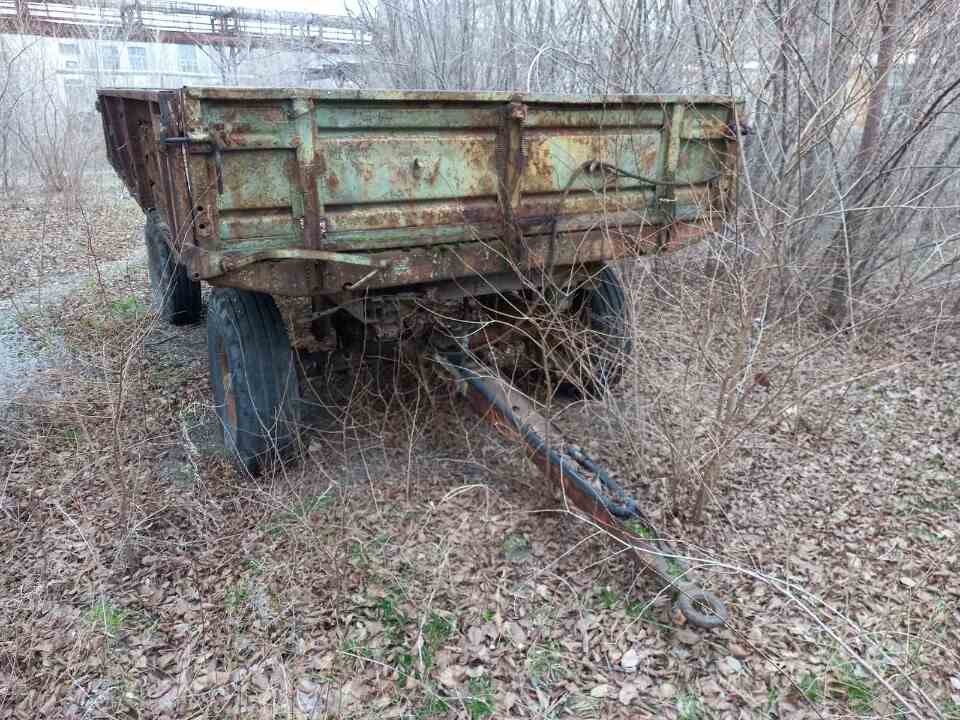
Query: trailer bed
(306, 192)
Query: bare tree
(849, 103)
(11, 93)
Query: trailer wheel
(175, 295)
(253, 377)
(600, 308)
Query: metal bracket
(309, 167)
(204, 265)
(511, 161)
(665, 193)
(216, 150)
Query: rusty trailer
(383, 206)
(416, 187)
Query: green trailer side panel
(252, 174)
(407, 168)
(399, 169)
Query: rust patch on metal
(233, 134)
(483, 177)
(447, 262)
(432, 179)
(291, 278)
(229, 396)
(488, 212)
(478, 156)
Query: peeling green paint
(364, 171)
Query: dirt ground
(408, 564)
(47, 237)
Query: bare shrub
(850, 168)
(53, 138)
(44, 133)
(12, 90)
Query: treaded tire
(253, 377)
(603, 309)
(175, 296)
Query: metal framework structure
(176, 22)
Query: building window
(70, 52)
(109, 58)
(137, 57)
(187, 59)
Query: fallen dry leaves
(409, 565)
(47, 236)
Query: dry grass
(49, 237)
(408, 564)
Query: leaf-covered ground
(46, 236)
(410, 565)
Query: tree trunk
(848, 240)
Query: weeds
(302, 511)
(298, 514)
(392, 617)
(432, 707)
(436, 631)
(106, 618)
(674, 569)
(810, 687)
(516, 548)
(544, 664)
(361, 552)
(853, 689)
(479, 703)
(690, 707)
(635, 527)
(128, 308)
(772, 707)
(639, 610)
(254, 566)
(236, 597)
(359, 652)
(583, 705)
